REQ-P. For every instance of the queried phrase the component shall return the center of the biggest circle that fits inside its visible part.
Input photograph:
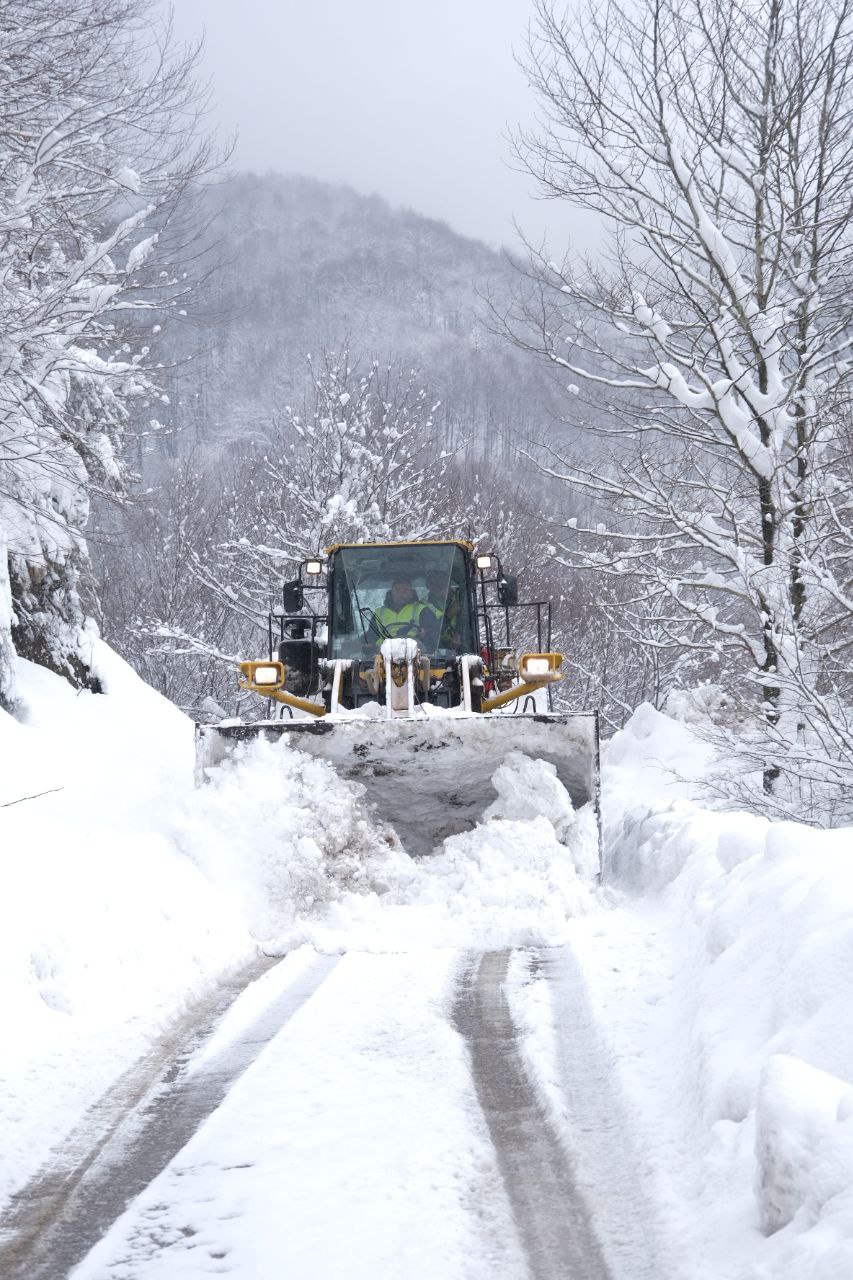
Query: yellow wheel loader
(413, 668)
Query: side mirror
(292, 598)
(508, 590)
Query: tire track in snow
(551, 1215)
(590, 1116)
(142, 1123)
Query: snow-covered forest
(99, 146)
(188, 355)
(209, 375)
(339, 352)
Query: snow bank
(106, 931)
(802, 1128)
(725, 975)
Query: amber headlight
(269, 675)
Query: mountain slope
(297, 266)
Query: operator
(400, 614)
(439, 615)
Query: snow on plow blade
(429, 778)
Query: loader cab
(422, 591)
(471, 633)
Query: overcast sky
(410, 100)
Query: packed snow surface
(353, 1146)
(711, 971)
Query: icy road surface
(361, 1116)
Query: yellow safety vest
(399, 622)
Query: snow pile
(293, 843)
(529, 788)
(655, 758)
(803, 1143)
(284, 836)
(509, 882)
(725, 975)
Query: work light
(268, 675)
(540, 664)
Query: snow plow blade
(427, 778)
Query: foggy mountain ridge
(299, 266)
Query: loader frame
(492, 608)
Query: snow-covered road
(682, 1024)
(366, 1115)
(129, 1135)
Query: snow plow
(413, 668)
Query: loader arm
(267, 679)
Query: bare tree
(149, 600)
(714, 139)
(361, 459)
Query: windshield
(416, 591)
